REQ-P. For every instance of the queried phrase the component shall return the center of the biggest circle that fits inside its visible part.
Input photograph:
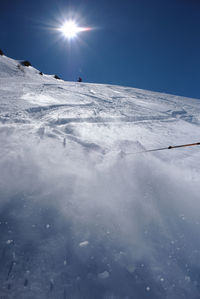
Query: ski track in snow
(78, 217)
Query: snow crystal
(187, 278)
(84, 244)
(9, 242)
(104, 275)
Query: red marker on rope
(165, 148)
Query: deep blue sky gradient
(146, 44)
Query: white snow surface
(71, 171)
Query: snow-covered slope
(82, 213)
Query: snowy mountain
(84, 211)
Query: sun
(70, 29)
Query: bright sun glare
(70, 29)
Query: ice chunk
(84, 244)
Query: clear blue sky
(149, 44)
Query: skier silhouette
(79, 79)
